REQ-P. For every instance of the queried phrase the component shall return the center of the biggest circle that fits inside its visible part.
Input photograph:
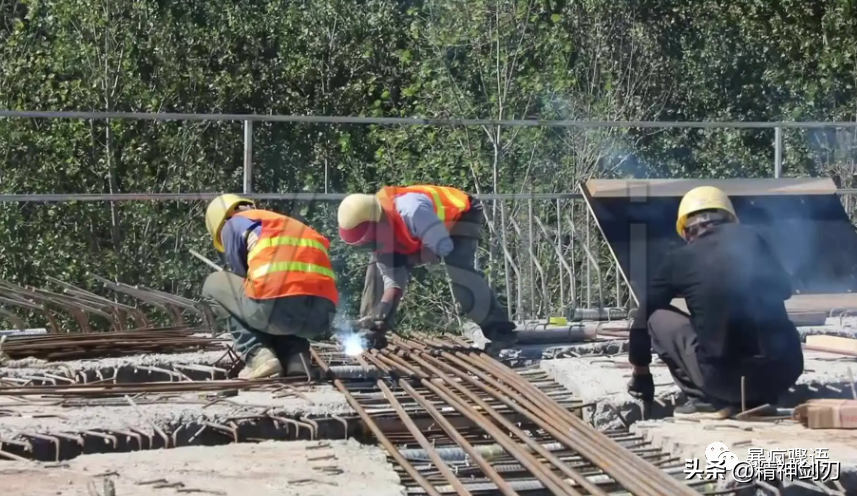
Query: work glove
(372, 332)
(374, 338)
(371, 323)
(642, 387)
(374, 326)
(377, 320)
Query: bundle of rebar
(111, 344)
(445, 379)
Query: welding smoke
(353, 343)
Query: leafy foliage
(502, 59)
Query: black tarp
(810, 233)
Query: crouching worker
(735, 291)
(409, 226)
(281, 291)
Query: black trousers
(765, 380)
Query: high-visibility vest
(449, 205)
(288, 259)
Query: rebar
(501, 430)
(110, 344)
(623, 466)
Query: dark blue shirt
(234, 238)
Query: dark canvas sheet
(811, 234)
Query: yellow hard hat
(356, 217)
(219, 211)
(699, 199)
(358, 208)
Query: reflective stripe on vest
(439, 209)
(285, 241)
(288, 266)
(288, 258)
(271, 268)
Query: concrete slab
(52, 429)
(265, 469)
(93, 369)
(602, 381)
(166, 413)
(689, 439)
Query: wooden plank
(801, 314)
(833, 343)
(815, 303)
(620, 188)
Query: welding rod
(206, 260)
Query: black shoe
(698, 409)
(500, 340)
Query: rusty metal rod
(450, 430)
(548, 478)
(421, 439)
(598, 448)
(379, 434)
(601, 450)
(537, 447)
(150, 387)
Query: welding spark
(352, 343)
(346, 334)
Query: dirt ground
(269, 468)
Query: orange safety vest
(449, 205)
(289, 259)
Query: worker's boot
(502, 336)
(299, 364)
(262, 364)
(699, 409)
(294, 352)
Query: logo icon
(718, 454)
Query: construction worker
(281, 291)
(408, 226)
(738, 329)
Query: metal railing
(249, 119)
(544, 253)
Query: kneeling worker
(282, 290)
(409, 226)
(735, 291)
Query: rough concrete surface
(71, 368)
(265, 469)
(603, 381)
(845, 327)
(167, 413)
(527, 354)
(689, 439)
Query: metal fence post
(588, 242)
(326, 175)
(532, 305)
(778, 152)
(248, 157)
(559, 253)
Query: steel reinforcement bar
(521, 440)
(78, 346)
